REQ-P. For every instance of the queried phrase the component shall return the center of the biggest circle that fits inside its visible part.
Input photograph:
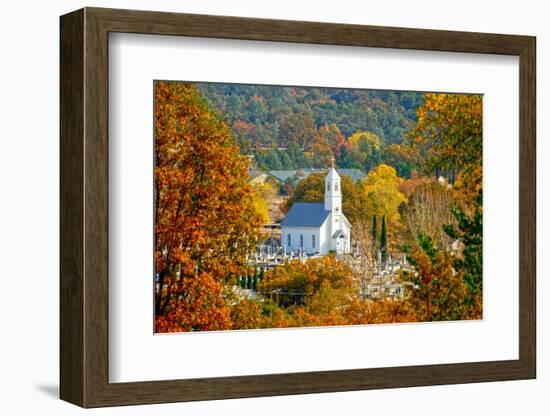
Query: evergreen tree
(469, 231)
(384, 240)
(285, 160)
(272, 160)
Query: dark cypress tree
(249, 282)
(255, 282)
(384, 240)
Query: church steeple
(333, 192)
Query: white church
(317, 228)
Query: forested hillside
(298, 127)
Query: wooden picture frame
(84, 207)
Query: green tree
(469, 232)
(272, 160)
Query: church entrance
(341, 245)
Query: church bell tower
(333, 192)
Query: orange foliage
(205, 219)
(379, 312)
(335, 138)
(247, 314)
(442, 293)
(449, 136)
(307, 277)
(196, 304)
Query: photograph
(297, 206)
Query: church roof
(283, 175)
(355, 174)
(306, 214)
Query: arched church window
(301, 240)
(328, 186)
(336, 186)
(288, 238)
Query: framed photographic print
(255, 207)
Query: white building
(316, 227)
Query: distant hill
(296, 127)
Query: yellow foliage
(364, 139)
(259, 202)
(382, 187)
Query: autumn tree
(439, 291)
(429, 209)
(383, 311)
(382, 188)
(298, 128)
(192, 304)
(244, 133)
(320, 152)
(295, 281)
(403, 157)
(260, 199)
(335, 138)
(448, 136)
(205, 219)
(365, 148)
(326, 305)
(247, 314)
